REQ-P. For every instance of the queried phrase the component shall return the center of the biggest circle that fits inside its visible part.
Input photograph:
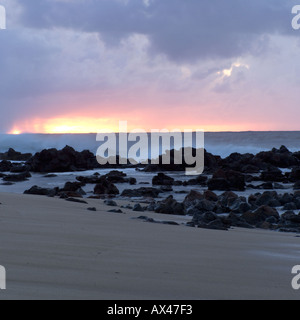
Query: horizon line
(148, 132)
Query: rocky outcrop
(13, 155)
(227, 181)
(67, 159)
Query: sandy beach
(54, 249)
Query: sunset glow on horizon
(85, 125)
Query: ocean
(218, 143)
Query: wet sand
(54, 249)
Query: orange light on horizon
(15, 132)
(85, 125)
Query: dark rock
(146, 219)
(92, 209)
(166, 188)
(13, 155)
(278, 186)
(237, 221)
(266, 186)
(227, 198)
(72, 186)
(67, 159)
(227, 181)
(132, 181)
(240, 206)
(268, 198)
(116, 176)
(237, 162)
(210, 196)
(110, 203)
(208, 220)
(138, 208)
(294, 176)
(35, 190)
(171, 223)
(19, 169)
(170, 206)
(286, 198)
(7, 184)
(204, 205)
(199, 180)
(260, 215)
(116, 211)
(271, 220)
(249, 168)
(90, 179)
(273, 174)
(70, 194)
(281, 158)
(289, 222)
(105, 187)
(162, 180)
(290, 216)
(218, 184)
(141, 192)
(5, 166)
(191, 197)
(297, 185)
(290, 206)
(210, 162)
(17, 177)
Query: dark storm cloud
(184, 30)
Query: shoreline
(57, 249)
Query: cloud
(160, 61)
(182, 30)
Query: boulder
(35, 190)
(5, 166)
(17, 177)
(169, 206)
(208, 220)
(105, 187)
(260, 215)
(272, 174)
(137, 208)
(162, 179)
(268, 198)
(228, 180)
(236, 220)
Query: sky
(84, 65)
